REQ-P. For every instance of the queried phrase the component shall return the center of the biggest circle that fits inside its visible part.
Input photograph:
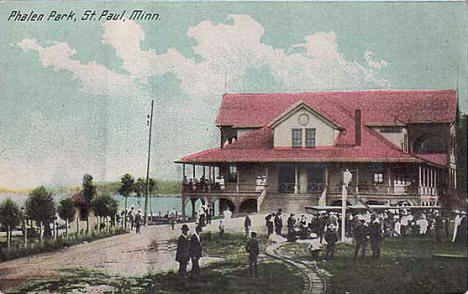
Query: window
(296, 137)
(232, 177)
(378, 178)
(310, 138)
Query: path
(315, 283)
(128, 254)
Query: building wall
(324, 133)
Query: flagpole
(148, 165)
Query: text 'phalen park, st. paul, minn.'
(87, 15)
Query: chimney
(357, 127)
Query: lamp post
(150, 123)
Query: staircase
(290, 203)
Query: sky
(75, 96)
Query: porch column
(183, 170)
(209, 173)
(183, 207)
(435, 183)
(238, 179)
(204, 171)
(423, 181)
(193, 171)
(357, 180)
(420, 180)
(296, 180)
(431, 173)
(303, 181)
(389, 176)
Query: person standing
(331, 237)
(462, 227)
(291, 224)
(269, 223)
(314, 247)
(221, 228)
(360, 238)
(278, 222)
(375, 235)
(195, 252)
(138, 220)
(183, 251)
(253, 249)
(247, 225)
(423, 225)
(438, 226)
(455, 225)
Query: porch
(417, 184)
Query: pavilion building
(290, 150)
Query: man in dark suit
(195, 252)
(278, 222)
(438, 226)
(183, 251)
(269, 223)
(360, 237)
(254, 250)
(375, 234)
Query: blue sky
(75, 95)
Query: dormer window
(310, 138)
(296, 138)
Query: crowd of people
(203, 184)
(364, 227)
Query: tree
(139, 188)
(126, 188)
(40, 207)
(66, 211)
(89, 191)
(105, 206)
(10, 216)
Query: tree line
(40, 206)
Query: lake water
(158, 204)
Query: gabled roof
(379, 107)
(298, 106)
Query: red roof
(377, 107)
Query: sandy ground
(128, 254)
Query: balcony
(221, 188)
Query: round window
(303, 119)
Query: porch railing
(288, 187)
(220, 188)
(315, 188)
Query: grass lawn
(406, 266)
(228, 276)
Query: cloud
(225, 50)
(369, 57)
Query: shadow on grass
(230, 276)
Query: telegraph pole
(148, 165)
